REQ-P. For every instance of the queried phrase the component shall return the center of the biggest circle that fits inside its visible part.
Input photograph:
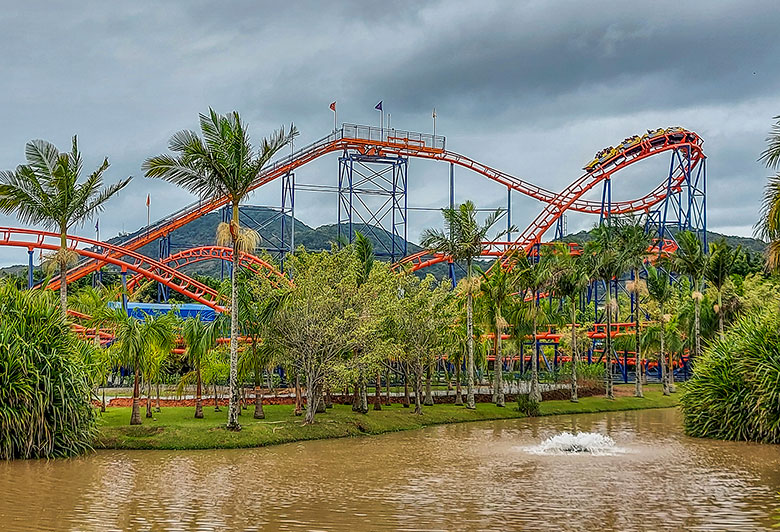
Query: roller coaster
(677, 202)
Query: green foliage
(527, 405)
(735, 390)
(44, 383)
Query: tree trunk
(638, 392)
(535, 393)
(320, 401)
(135, 416)
(498, 367)
(387, 388)
(608, 346)
(216, 399)
(198, 394)
(157, 405)
(670, 373)
(233, 412)
(328, 398)
(363, 390)
(407, 399)
(356, 396)
(458, 389)
(418, 388)
(378, 392)
(470, 354)
(311, 402)
(298, 391)
(662, 363)
(574, 355)
(149, 399)
(63, 273)
(259, 414)
(428, 391)
(103, 402)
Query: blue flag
(379, 106)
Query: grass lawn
(176, 428)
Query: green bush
(734, 393)
(527, 406)
(45, 408)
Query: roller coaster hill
(372, 191)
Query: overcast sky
(533, 88)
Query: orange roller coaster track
(127, 260)
(204, 253)
(373, 141)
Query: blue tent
(185, 310)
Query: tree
(199, 339)
(423, 320)
(633, 242)
(223, 163)
(463, 240)
(768, 225)
(96, 303)
(690, 260)
(572, 279)
(47, 191)
(534, 278)
(137, 343)
(498, 284)
(717, 271)
(258, 303)
(660, 290)
(607, 263)
(322, 319)
(45, 409)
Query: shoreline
(175, 428)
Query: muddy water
(478, 476)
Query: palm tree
(607, 263)
(496, 287)
(768, 225)
(660, 290)
(221, 164)
(96, 303)
(463, 240)
(533, 279)
(633, 242)
(717, 271)
(47, 191)
(690, 260)
(199, 339)
(572, 279)
(136, 343)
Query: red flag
(333, 107)
(148, 200)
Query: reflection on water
(459, 477)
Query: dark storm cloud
(533, 88)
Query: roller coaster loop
(204, 253)
(127, 260)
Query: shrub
(45, 408)
(527, 405)
(734, 393)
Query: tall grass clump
(45, 408)
(735, 390)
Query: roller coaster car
(675, 133)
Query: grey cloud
(533, 88)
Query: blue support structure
(685, 205)
(165, 251)
(287, 216)
(372, 192)
(30, 268)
